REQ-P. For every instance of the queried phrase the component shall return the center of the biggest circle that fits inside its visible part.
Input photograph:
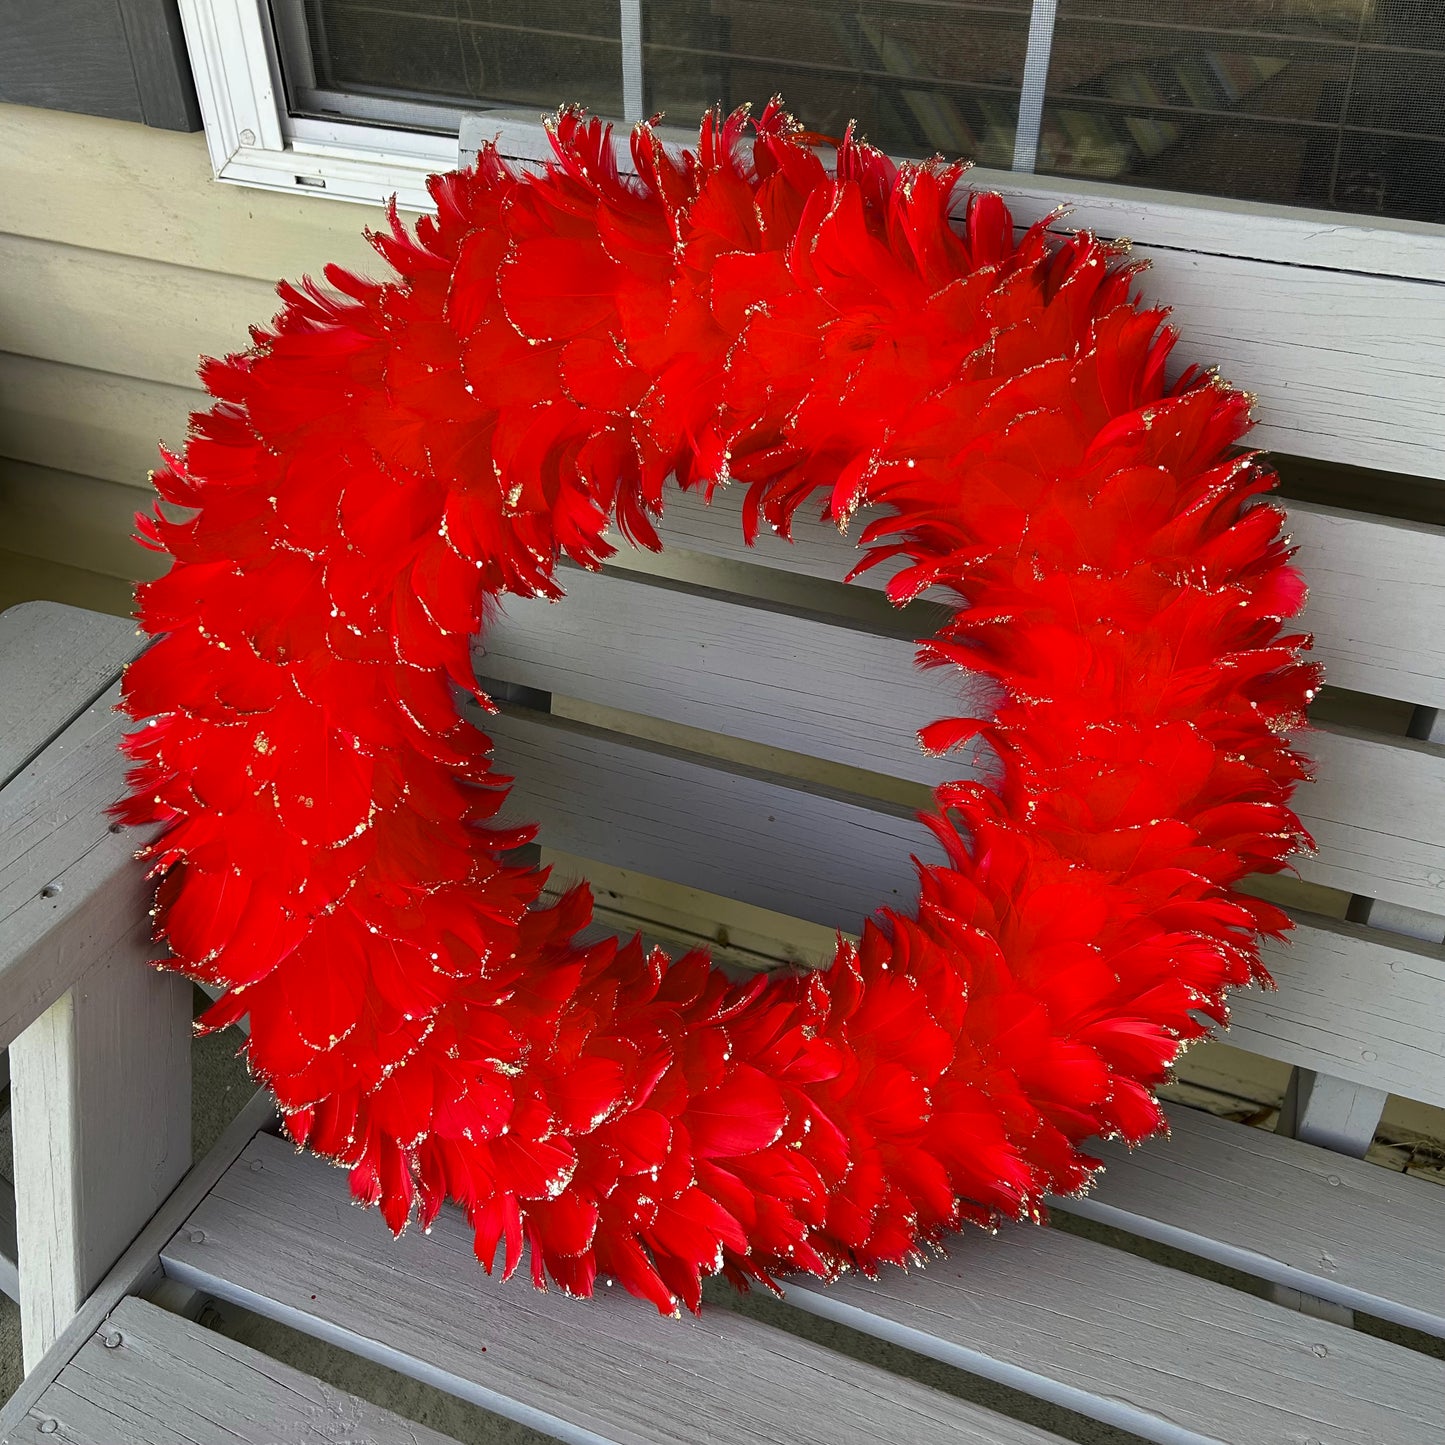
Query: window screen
(1334, 104)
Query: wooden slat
(1280, 1210)
(1377, 814)
(1168, 1356)
(138, 1270)
(1377, 600)
(55, 661)
(1347, 367)
(94, 423)
(750, 672)
(70, 891)
(1169, 219)
(1377, 585)
(275, 1237)
(147, 1377)
(794, 849)
(1353, 1002)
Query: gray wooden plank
(70, 891)
(9, 1272)
(1352, 1001)
(1173, 1358)
(752, 672)
(1281, 1210)
(275, 1235)
(148, 1377)
(1377, 585)
(102, 1123)
(1376, 600)
(55, 660)
(138, 1269)
(1377, 814)
(828, 858)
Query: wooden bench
(739, 725)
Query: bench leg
(101, 1104)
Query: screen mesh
(1338, 104)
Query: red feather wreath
(389, 458)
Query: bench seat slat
(1281, 1210)
(275, 1235)
(170, 1382)
(1168, 1356)
(1377, 584)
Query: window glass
(1333, 104)
(914, 77)
(1327, 103)
(452, 54)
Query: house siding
(123, 262)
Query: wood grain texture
(1171, 1357)
(138, 1270)
(68, 55)
(276, 1236)
(1280, 1210)
(148, 1377)
(766, 841)
(1174, 221)
(1354, 1002)
(747, 671)
(1377, 585)
(1377, 814)
(54, 660)
(101, 1097)
(99, 1043)
(1347, 367)
(1377, 600)
(1351, 1002)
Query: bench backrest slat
(719, 655)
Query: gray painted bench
(748, 688)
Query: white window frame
(253, 141)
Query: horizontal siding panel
(77, 521)
(94, 423)
(146, 193)
(121, 314)
(1347, 366)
